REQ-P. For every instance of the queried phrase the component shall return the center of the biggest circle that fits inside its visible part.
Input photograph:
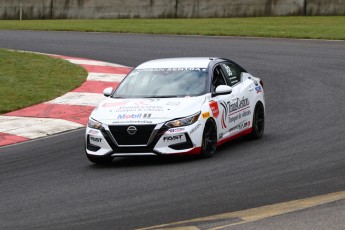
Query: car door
(239, 105)
(219, 104)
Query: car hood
(147, 110)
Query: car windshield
(163, 82)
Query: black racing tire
(101, 160)
(258, 122)
(209, 139)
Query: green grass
(278, 27)
(27, 79)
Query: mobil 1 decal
(232, 110)
(133, 115)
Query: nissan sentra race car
(183, 106)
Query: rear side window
(232, 73)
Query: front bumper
(155, 140)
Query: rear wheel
(209, 139)
(258, 121)
(102, 160)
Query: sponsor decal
(176, 130)
(143, 105)
(246, 113)
(214, 108)
(244, 125)
(206, 115)
(195, 128)
(241, 126)
(91, 131)
(239, 104)
(175, 138)
(233, 128)
(95, 139)
(239, 115)
(130, 105)
(113, 104)
(233, 118)
(132, 122)
(134, 116)
(233, 108)
(258, 89)
(139, 108)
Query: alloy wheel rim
(210, 140)
(259, 119)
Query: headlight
(94, 124)
(183, 121)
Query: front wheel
(209, 139)
(258, 122)
(101, 160)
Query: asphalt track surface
(49, 183)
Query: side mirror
(107, 91)
(223, 90)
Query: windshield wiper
(117, 97)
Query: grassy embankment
(278, 27)
(27, 79)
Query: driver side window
(218, 77)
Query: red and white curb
(64, 113)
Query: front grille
(141, 136)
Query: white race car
(181, 106)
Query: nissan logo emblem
(131, 130)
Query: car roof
(185, 62)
